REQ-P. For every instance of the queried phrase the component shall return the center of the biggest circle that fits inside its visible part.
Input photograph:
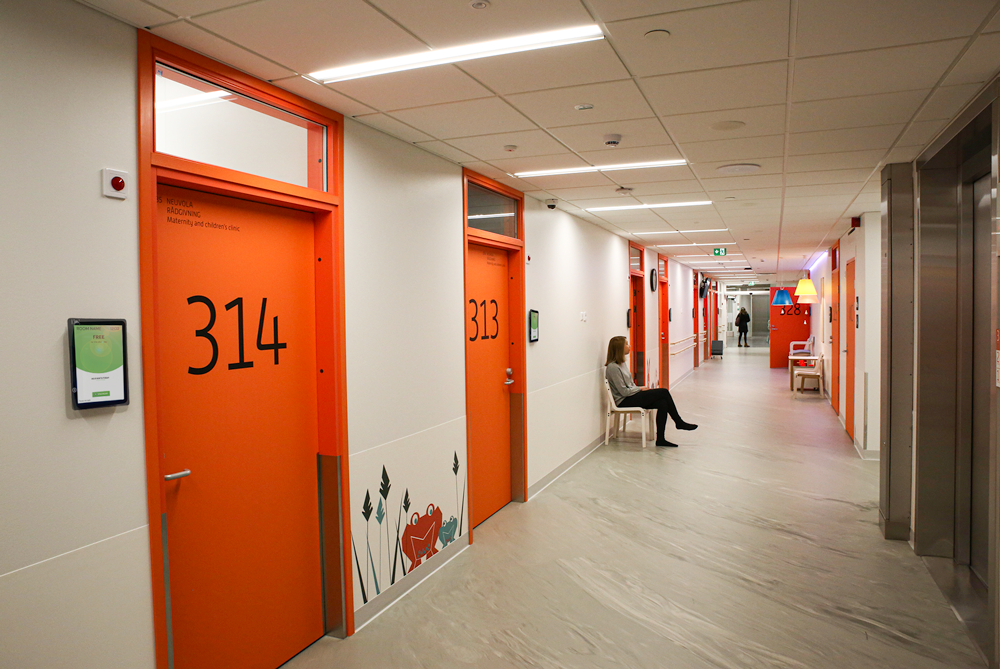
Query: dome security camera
(612, 140)
(551, 204)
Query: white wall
(405, 336)
(652, 321)
(869, 340)
(74, 563)
(681, 288)
(575, 267)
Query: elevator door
(982, 351)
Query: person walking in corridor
(627, 394)
(742, 323)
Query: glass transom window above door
(198, 120)
(492, 212)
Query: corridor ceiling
(819, 93)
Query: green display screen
(99, 362)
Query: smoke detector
(509, 148)
(612, 140)
(623, 190)
(738, 168)
(480, 4)
(583, 107)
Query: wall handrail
(684, 339)
(686, 348)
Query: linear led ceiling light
(603, 168)
(699, 203)
(698, 244)
(671, 232)
(457, 54)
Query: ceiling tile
(738, 183)
(414, 88)
(856, 112)
(852, 188)
(821, 162)
(488, 170)
(466, 119)
(570, 181)
(994, 25)
(616, 10)
(134, 13)
(905, 68)
(735, 149)
(311, 35)
(903, 154)
(613, 101)
(757, 122)
(447, 152)
(827, 177)
(587, 193)
(746, 194)
(838, 141)
(590, 137)
(393, 127)
(629, 216)
(195, 7)
(637, 154)
(979, 63)
(686, 186)
(710, 37)
(818, 202)
(826, 27)
(610, 201)
(710, 170)
(446, 24)
(946, 102)
(196, 39)
(922, 132)
(323, 96)
(528, 143)
(632, 177)
(572, 65)
(532, 163)
(710, 90)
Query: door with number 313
(236, 407)
(488, 356)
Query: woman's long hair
(616, 350)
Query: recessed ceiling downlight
(738, 168)
(658, 35)
(728, 125)
(479, 4)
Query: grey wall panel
(896, 391)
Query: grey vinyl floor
(754, 544)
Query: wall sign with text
(98, 362)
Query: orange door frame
(849, 345)
(637, 304)
(835, 327)
(326, 207)
(664, 304)
(518, 313)
(697, 332)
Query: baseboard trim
(397, 591)
(568, 464)
(866, 454)
(686, 374)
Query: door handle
(178, 475)
(509, 381)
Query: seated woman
(627, 394)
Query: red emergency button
(118, 183)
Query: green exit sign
(720, 252)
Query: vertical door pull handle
(178, 475)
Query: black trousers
(655, 398)
(742, 337)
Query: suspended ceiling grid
(819, 94)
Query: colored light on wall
(782, 298)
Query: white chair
(806, 347)
(617, 411)
(800, 374)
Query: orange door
(664, 334)
(488, 356)
(695, 315)
(835, 332)
(637, 333)
(236, 358)
(849, 389)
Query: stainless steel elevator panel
(982, 380)
(896, 391)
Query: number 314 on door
(206, 333)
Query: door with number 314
(236, 407)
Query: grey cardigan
(620, 381)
